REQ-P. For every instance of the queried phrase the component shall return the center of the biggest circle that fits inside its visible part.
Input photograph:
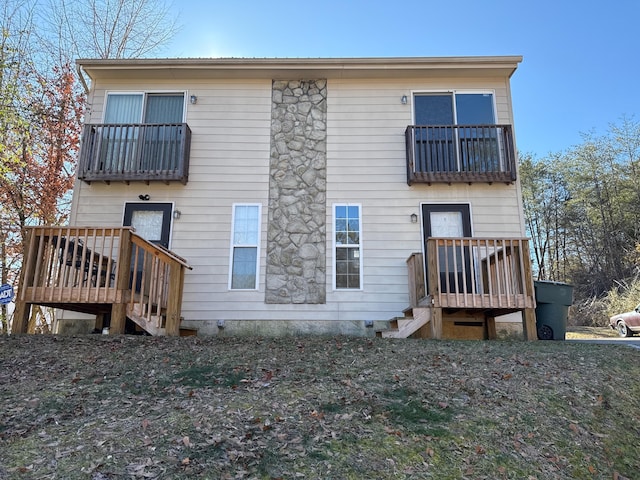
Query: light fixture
(177, 214)
(404, 99)
(193, 99)
(414, 218)
(145, 197)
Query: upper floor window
(144, 108)
(348, 248)
(454, 109)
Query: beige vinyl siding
(229, 163)
(366, 165)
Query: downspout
(82, 80)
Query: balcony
(135, 152)
(460, 154)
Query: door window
(152, 221)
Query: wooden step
(404, 327)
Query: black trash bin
(553, 300)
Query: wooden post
(119, 310)
(529, 314)
(99, 323)
(529, 324)
(22, 311)
(174, 302)
(491, 328)
(436, 324)
(21, 316)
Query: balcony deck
(460, 154)
(135, 152)
(100, 270)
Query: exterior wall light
(145, 197)
(193, 99)
(177, 214)
(414, 218)
(404, 99)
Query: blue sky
(581, 67)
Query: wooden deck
(101, 270)
(477, 278)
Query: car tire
(545, 332)
(623, 330)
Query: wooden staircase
(414, 324)
(154, 325)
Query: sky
(579, 75)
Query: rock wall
(296, 235)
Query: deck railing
(474, 273)
(460, 153)
(98, 269)
(135, 152)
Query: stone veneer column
(296, 236)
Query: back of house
(304, 192)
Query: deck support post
(174, 302)
(436, 323)
(118, 318)
(529, 324)
(21, 317)
(119, 310)
(490, 323)
(99, 324)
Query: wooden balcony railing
(135, 152)
(474, 273)
(460, 154)
(98, 270)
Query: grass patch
(318, 407)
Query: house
(338, 196)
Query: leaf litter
(316, 407)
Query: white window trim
(257, 245)
(335, 246)
(144, 93)
(492, 92)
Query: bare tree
(110, 28)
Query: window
(348, 248)
(245, 239)
(454, 109)
(457, 132)
(143, 132)
(144, 108)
